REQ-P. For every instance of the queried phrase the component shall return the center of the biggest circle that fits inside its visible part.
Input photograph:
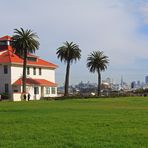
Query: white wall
(16, 73)
(48, 74)
(17, 96)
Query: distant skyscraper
(146, 79)
(133, 84)
(121, 81)
(138, 83)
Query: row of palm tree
(96, 61)
(26, 41)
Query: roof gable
(6, 38)
(40, 82)
(7, 55)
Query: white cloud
(144, 11)
(108, 25)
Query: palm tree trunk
(67, 79)
(24, 71)
(99, 82)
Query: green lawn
(89, 123)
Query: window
(36, 90)
(34, 70)
(47, 90)
(53, 90)
(3, 43)
(5, 69)
(6, 88)
(15, 90)
(40, 71)
(28, 70)
(33, 59)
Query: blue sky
(117, 27)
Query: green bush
(5, 96)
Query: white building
(40, 80)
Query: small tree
(68, 53)
(97, 62)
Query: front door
(36, 92)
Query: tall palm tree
(24, 42)
(97, 62)
(68, 53)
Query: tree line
(26, 41)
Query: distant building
(86, 88)
(138, 84)
(115, 87)
(133, 84)
(146, 79)
(108, 80)
(121, 82)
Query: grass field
(89, 123)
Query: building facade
(40, 74)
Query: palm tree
(24, 42)
(97, 62)
(68, 53)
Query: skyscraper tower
(133, 84)
(146, 79)
(121, 82)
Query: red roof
(40, 82)
(8, 56)
(6, 38)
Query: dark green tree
(97, 62)
(24, 42)
(68, 53)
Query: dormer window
(32, 59)
(3, 43)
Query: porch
(37, 88)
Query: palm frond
(24, 40)
(97, 61)
(69, 52)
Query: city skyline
(117, 27)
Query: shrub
(5, 96)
